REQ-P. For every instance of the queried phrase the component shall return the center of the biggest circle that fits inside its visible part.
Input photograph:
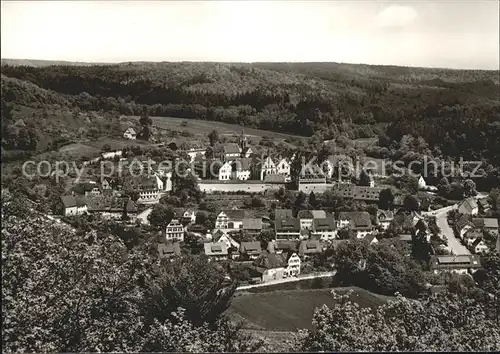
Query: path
(143, 216)
(289, 280)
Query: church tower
(243, 143)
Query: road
(457, 248)
(288, 280)
(454, 243)
(143, 216)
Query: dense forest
(456, 111)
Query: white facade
(190, 216)
(174, 231)
(242, 175)
(293, 268)
(130, 134)
(268, 167)
(76, 210)
(306, 223)
(225, 172)
(421, 183)
(284, 167)
(481, 247)
(326, 235)
(362, 233)
(223, 222)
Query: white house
(359, 222)
(73, 205)
(225, 172)
(174, 231)
(480, 247)
(271, 266)
(293, 268)
(421, 183)
(455, 264)
(469, 206)
(240, 169)
(222, 237)
(130, 134)
(283, 167)
(325, 228)
(385, 218)
(267, 167)
(230, 219)
(189, 216)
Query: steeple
(243, 142)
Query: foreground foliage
(444, 322)
(66, 293)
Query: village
(280, 242)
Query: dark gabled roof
(242, 164)
(462, 221)
(468, 204)
(108, 203)
(324, 224)
(289, 224)
(250, 247)
(286, 245)
(385, 215)
(473, 233)
(234, 214)
(484, 203)
(370, 237)
(231, 148)
(168, 250)
(283, 213)
(310, 247)
(450, 262)
(270, 261)
(305, 214)
(491, 223)
(357, 219)
(477, 242)
(215, 248)
(252, 224)
(70, 201)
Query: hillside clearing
(291, 309)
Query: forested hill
(298, 98)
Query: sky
(434, 33)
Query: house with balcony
(216, 251)
(169, 250)
(308, 248)
(174, 231)
(287, 228)
(250, 250)
(358, 221)
(325, 228)
(252, 226)
(306, 218)
(461, 264)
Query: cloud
(396, 16)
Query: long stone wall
(314, 187)
(211, 186)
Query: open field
(203, 127)
(291, 309)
